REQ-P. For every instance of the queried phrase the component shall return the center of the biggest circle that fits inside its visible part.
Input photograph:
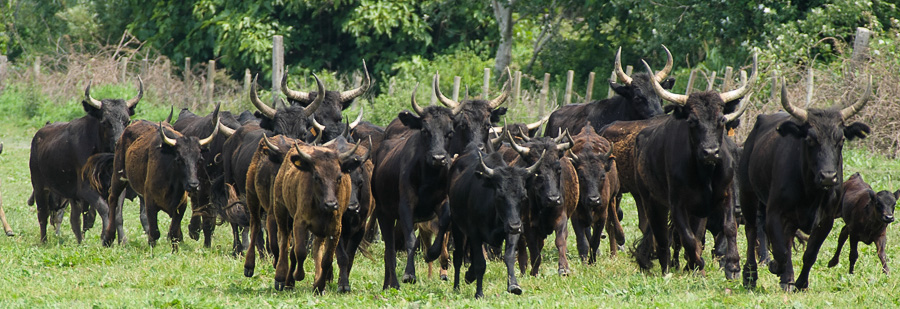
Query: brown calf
(867, 215)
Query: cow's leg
(255, 230)
(144, 222)
(111, 223)
(750, 206)
(658, 223)
(781, 251)
(816, 239)
(879, 246)
(763, 239)
(153, 224)
(390, 253)
(75, 220)
(237, 246)
(41, 199)
(522, 253)
(512, 285)
(459, 252)
(409, 233)
(194, 226)
(581, 239)
(729, 232)
(174, 234)
(535, 246)
(845, 232)
(272, 237)
(478, 266)
(208, 223)
(597, 232)
(618, 213)
(854, 252)
(348, 249)
(614, 228)
(324, 262)
(445, 257)
(284, 236)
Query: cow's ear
(872, 196)
(669, 108)
(609, 162)
(679, 111)
(351, 164)
(857, 130)
(298, 163)
(91, 110)
(668, 83)
(622, 90)
(274, 156)
(495, 114)
(897, 195)
(790, 128)
(131, 110)
(410, 120)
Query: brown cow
(311, 193)
(161, 169)
(867, 215)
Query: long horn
(741, 109)
(358, 118)
(524, 135)
(679, 99)
(522, 150)
(346, 155)
(228, 132)
(537, 124)
(415, 106)
(441, 97)
(567, 145)
(368, 151)
(619, 72)
(290, 93)
(487, 170)
(89, 99)
(262, 107)
(745, 87)
(171, 112)
(318, 126)
(271, 146)
(560, 136)
(169, 141)
(797, 112)
(534, 167)
(503, 94)
(661, 75)
(303, 156)
(134, 101)
(575, 159)
(207, 140)
(353, 93)
(320, 96)
(318, 138)
(851, 110)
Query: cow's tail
(98, 172)
(642, 250)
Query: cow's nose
(888, 218)
(353, 206)
(711, 153)
(594, 199)
(331, 204)
(439, 158)
(515, 228)
(555, 199)
(193, 186)
(830, 177)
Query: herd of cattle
(447, 171)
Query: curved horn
(534, 167)
(522, 150)
(524, 135)
(487, 170)
(619, 72)
(346, 155)
(661, 75)
(318, 139)
(537, 124)
(254, 98)
(228, 132)
(353, 93)
(171, 112)
(318, 126)
(271, 146)
(358, 119)
(851, 110)
(567, 145)
(797, 112)
(320, 96)
(134, 101)
(89, 99)
(290, 93)
(679, 99)
(415, 106)
(745, 87)
(207, 140)
(560, 136)
(444, 100)
(303, 156)
(496, 130)
(741, 109)
(162, 135)
(504, 93)
(572, 155)
(368, 151)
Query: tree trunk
(503, 14)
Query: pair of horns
(659, 76)
(345, 96)
(269, 112)
(529, 126)
(531, 169)
(525, 150)
(98, 104)
(343, 156)
(203, 142)
(494, 103)
(847, 112)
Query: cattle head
(885, 201)
(591, 162)
(508, 183)
(186, 151)
(435, 126)
(357, 176)
(292, 121)
(112, 114)
(638, 90)
(546, 182)
(823, 132)
(326, 170)
(329, 112)
(704, 114)
(472, 118)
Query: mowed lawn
(62, 273)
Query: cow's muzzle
(331, 205)
(514, 228)
(887, 218)
(554, 200)
(193, 186)
(710, 154)
(829, 179)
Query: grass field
(62, 273)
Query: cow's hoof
(444, 277)
(832, 263)
(470, 277)
(515, 289)
(479, 295)
(279, 286)
(788, 287)
(409, 278)
(564, 272)
(10, 233)
(775, 268)
(195, 235)
(248, 272)
(344, 288)
(621, 248)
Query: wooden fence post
(123, 69)
(726, 85)
(612, 78)
(188, 82)
(861, 45)
(517, 93)
(809, 87)
(247, 81)
(545, 93)
(456, 82)
(145, 66)
(628, 70)
(277, 67)
(486, 89)
(775, 88)
(433, 94)
(3, 64)
(570, 78)
(590, 88)
(210, 81)
(711, 81)
(37, 68)
(690, 84)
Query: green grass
(62, 273)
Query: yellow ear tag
(731, 132)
